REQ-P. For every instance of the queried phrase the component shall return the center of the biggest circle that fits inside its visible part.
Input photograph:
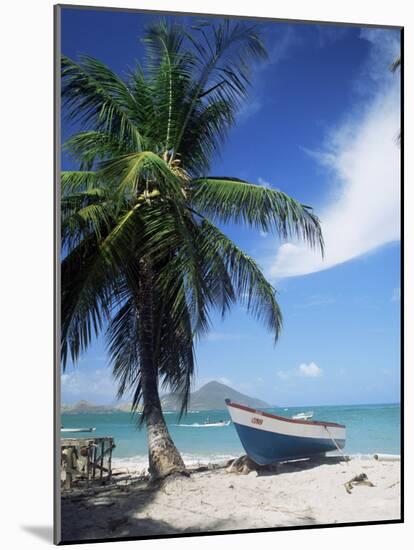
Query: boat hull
(268, 438)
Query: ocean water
(370, 429)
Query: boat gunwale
(283, 418)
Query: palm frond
(226, 199)
(122, 343)
(95, 96)
(77, 181)
(142, 172)
(86, 213)
(91, 146)
(206, 132)
(251, 288)
(88, 289)
(223, 66)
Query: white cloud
(363, 160)
(310, 370)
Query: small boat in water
(208, 423)
(303, 416)
(268, 438)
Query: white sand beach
(216, 499)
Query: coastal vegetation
(144, 260)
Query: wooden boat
(268, 438)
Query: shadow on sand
(299, 465)
(112, 515)
(121, 512)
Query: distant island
(211, 396)
(85, 407)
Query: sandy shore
(298, 493)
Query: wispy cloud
(249, 109)
(363, 160)
(329, 34)
(96, 385)
(280, 41)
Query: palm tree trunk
(164, 458)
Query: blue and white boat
(268, 438)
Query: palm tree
(142, 257)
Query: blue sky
(320, 124)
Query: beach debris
(69, 461)
(86, 459)
(393, 485)
(360, 479)
(387, 458)
(242, 465)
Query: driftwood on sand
(361, 479)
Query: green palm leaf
(94, 95)
(226, 199)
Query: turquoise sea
(370, 429)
